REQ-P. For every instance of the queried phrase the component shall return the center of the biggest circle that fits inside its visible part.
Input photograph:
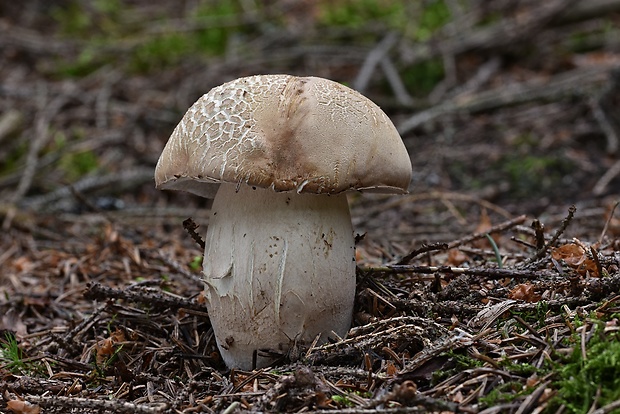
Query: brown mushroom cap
(303, 134)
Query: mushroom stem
(279, 267)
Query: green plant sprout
(196, 263)
(11, 356)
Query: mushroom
(278, 154)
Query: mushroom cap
(303, 134)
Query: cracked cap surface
(303, 134)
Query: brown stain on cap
(287, 133)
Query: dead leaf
(321, 399)
(390, 368)
(525, 292)
(405, 392)
(458, 397)
(572, 254)
(106, 347)
(23, 264)
(532, 381)
(359, 255)
(457, 257)
(22, 407)
(575, 256)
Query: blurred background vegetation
(510, 101)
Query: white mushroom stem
(279, 267)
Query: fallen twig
(540, 253)
(425, 248)
(190, 226)
(495, 229)
(578, 82)
(145, 296)
(97, 405)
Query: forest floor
(492, 287)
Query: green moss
(434, 15)
(160, 52)
(531, 174)
(170, 48)
(108, 7)
(462, 362)
(417, 21)
(522, 369)
(76, 165)
(342, 401)
(582, 380)
(345, 401)
(542, 309)
(535, 317)
(106, 26)
(214, 40)
(72, 19)
(421, 78)
(358, 13)
(87, 62)
(511, 390)
(14, 158)
(504, 393)
(104, 18)
(98, 28)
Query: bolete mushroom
(278, 154)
